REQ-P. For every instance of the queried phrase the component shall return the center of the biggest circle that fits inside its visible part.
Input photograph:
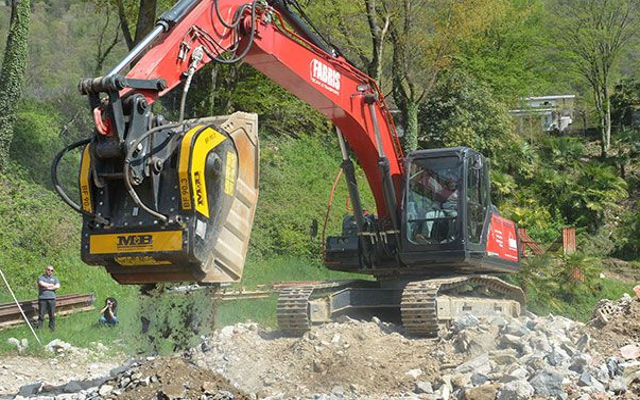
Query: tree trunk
(411, 126)
(374, 69)
(599, 103)
(607, 120)
(213, 89)
(146, 19)
(124, 25)
(12, 73)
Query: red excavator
(169, 201)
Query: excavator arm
(328, 83)
(174, 200)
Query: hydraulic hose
(60, 190)
(127, 174)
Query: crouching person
(109, 313)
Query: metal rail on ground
(10, 313)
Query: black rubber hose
(59, 189)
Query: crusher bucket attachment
(206, 183)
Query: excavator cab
(448, 221)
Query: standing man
(47, 286)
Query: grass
(282, 268)
(580, 307)
(261, 311)
(79, 330)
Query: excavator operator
(432, 204)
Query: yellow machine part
(226, 262)
(152, 255)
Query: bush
(569, 284)
(36, 140)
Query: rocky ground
(495, 357)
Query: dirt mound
(171, 378)
(615, 324)
(353, 357)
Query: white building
(552, 113)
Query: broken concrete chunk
(423, 387)
(548, 383)
(414, 373)
(479, 364)
(516, 390)
(630, 352)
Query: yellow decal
(142, 242)
(85, 176)
(183, 168)
(206, 141)
(132, 261)
(230, 173)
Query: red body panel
(329, 84)
(502, 241)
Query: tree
(424, 35)
(595, 33)
(146, 18)
(104, 49)
(359, 28)
(511, 54)
(12, 73)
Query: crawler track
(419, 301)
(419, 308)
(293, 309)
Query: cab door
(477, 201)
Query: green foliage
(628, 235)
(625, 104)
(295, 181)
(463, 112)
(567, 188)
(36, 136)
(568, 285)
(38, 229)
(14, 65)
(595, 36)
(509, 54)
(280, 112)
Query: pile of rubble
(488, 358)
(151, 378)
(616, 324)
(495, 357)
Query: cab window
(433, 200)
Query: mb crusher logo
(138, 242)
(325, 76)
(143, 242)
